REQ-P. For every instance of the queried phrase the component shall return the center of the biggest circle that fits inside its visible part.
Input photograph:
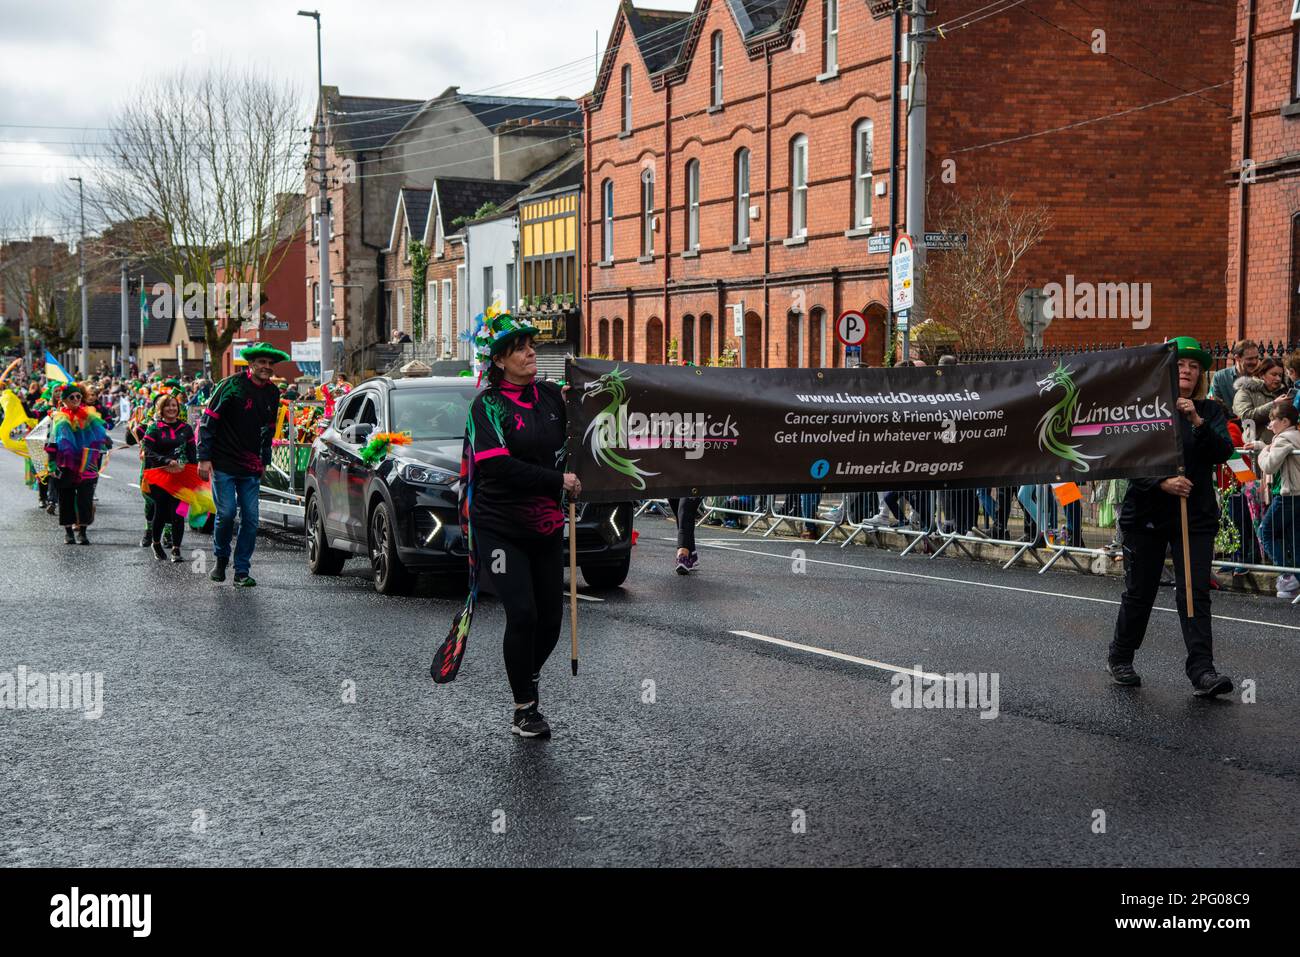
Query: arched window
(817, 355)
(627, 98)
(607, 221)
(742, 197)
(647, 212)
(799, 186)
(706, 339)
(715, 71)
(654, 341)
(863, 134)
(618, 339)
(686, 347)
(794, 340)
(753, 341)
(693, 205)
(602, 340)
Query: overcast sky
(66, 65)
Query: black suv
(402, 512)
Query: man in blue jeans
(234, 440)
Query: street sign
(902, 266)
(878, 243)
(945, 240)
(852, 357)
(851, 329)
(900, 322)
(738, 319)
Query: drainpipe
(585, 206)
(1243, 207)
(668, 219)
(767, 207)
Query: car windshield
(431, 414)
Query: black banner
(648, 431)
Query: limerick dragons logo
(1054, 426)
(603, 430)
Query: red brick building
(745, 147)
(1263, 207)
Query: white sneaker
(1287, 586)
(881, 518)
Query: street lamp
(81, 279)
(322, 218)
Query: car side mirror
(357, 433)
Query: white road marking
(132, 484)
(839, 655)
(966, 581)
(582, 597)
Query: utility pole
(126, 329)
(916, 164)
(322, 220)
(81, 280)
(27, 338)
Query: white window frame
(742, 163)
(462, 318)
(715, 85)
(799, 187)
(863, 158)
(647, 212)
(400, 303)
(430, 309)
(607, 222)
(693, 205)
(447, 303)
(627, 97)
(831, 45)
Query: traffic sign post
(901, 273)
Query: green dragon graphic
(605, 425)
(1054, 426)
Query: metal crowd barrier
(1084, 534)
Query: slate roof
(416, 202)
(461, 196)
(755, 16)
(367, 122)
(104, 311)
(659, 34)
(493, 111)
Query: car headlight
(420, 474)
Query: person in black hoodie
(234, 448)
(1151, 522)
(168, 444)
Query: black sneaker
(218, 574)
(244, 580)
(529, 723)
(693, 561)
(1211, 683)
(683, 564)
(147, 539)
(68, 537)
(81, 537)
(158, 552)
(1123, 674)
(176, 556)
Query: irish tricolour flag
(1241, 469)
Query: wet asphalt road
(226, 737)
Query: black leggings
(527, 575)
(164, 514)
(77, 504)
(686, 510)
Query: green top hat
(494, 330)
(1189, 348)
(263, 350)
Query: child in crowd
(1280, 529)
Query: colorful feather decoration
(379, 445)
(186, 486)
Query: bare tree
(208, 157)
(973, 291)
(40, 275)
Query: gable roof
(365, 122)
(459, 197)
(413, 203)
(666, 39)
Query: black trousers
(164, 514)
(686, 510)
(527, 575)
(77, 504)
(1144, 559)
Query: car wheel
(321, 559)
(391, 576)
(607, 576)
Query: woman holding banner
(1151, 520)
(512, 481)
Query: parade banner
(650, 431)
